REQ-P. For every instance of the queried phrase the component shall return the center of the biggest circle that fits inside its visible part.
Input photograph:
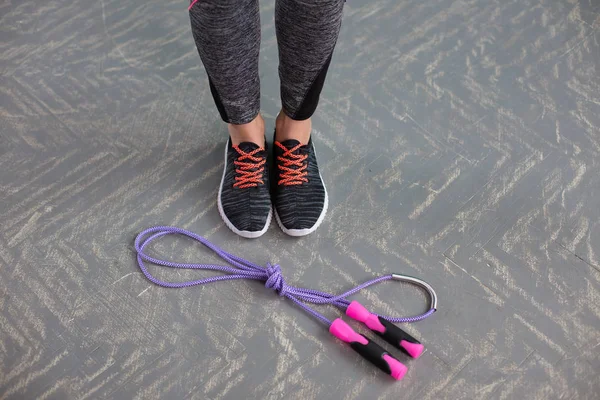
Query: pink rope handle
(192, 5)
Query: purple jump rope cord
(243, 269)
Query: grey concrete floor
(459, 140)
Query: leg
(227, 35)
(307, 31)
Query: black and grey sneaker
(297, 188)
(244, 202)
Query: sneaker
(244, 201)
(298, 190)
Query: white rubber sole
(306, 231)
(245, 234)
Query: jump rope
(239, 268)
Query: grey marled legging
(227, 34)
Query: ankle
(287, 128)
(253, 131)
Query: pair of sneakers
(252, 190)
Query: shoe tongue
(247, 147)
(291, 143)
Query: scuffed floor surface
(460, 142)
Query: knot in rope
(275, 280)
